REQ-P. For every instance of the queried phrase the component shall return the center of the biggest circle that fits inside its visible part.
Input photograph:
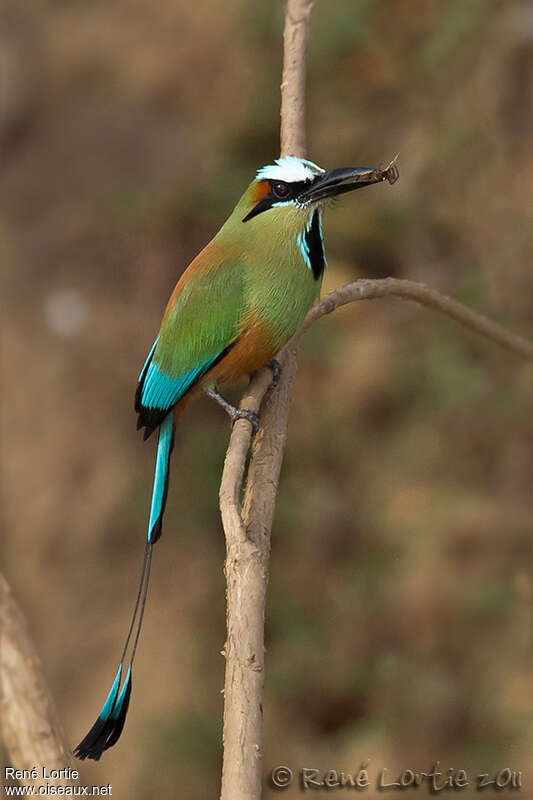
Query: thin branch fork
(247, 527)
(362, 289)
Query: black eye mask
(278, 194)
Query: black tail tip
(94, 744)
(106, 731)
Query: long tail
(107, 729)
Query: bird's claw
(245, 413)
(234, 413)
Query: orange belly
(251, 351)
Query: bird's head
(296, 187)
(284, 203)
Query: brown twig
(248, 531)
(295, 37)
(365, 289)
(30, 729)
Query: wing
(202, 322)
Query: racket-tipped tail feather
(107, 729)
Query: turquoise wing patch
(157, 393)
(160, 391)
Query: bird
(232, 310)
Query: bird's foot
(232, 412)
(245, 413)
(275, 366)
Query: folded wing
(202, 322)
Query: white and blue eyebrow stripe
(290, 169)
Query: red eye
(281, 189)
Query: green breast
(280, 285)
(281, 292)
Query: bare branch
(365, 289)
(245, 570)
(29, 725)
(295, 37)
(248, 533)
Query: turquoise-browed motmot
(235, 306)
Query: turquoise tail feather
(108, 727)
(108, 706)
(162, 464)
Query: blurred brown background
(399, 614)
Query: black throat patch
(315, 246)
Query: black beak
(346, 179)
